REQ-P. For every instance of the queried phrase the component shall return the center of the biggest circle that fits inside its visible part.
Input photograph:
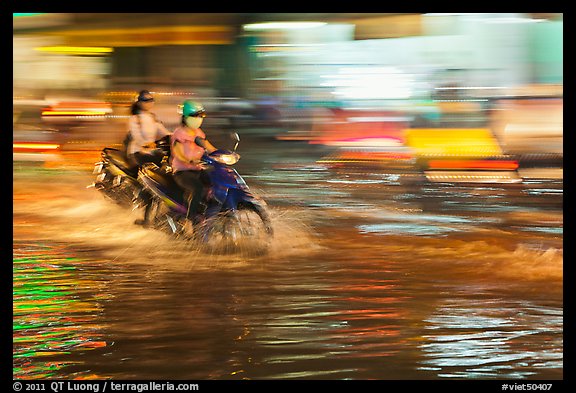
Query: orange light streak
(35, 146)
(473, 164)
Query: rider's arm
(205, 143)
(162, 130)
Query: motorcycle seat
(121, 160)
(159, 175)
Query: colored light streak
(282, 25)
(368, 156)
(73, 113)
(23, 14)
(473, 164)
(464, 142)
(145, 36)
(53, 311)
(467, 176)
(35, 146)
(76, 50)
(384, 141)
(67, 105)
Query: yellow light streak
(478, 142)
(76, 50)
(35, 146)
(73, 113)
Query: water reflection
(490, 338)
(365, 280)
(56, 308)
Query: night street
(369, 276)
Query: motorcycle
(231, 212)
(117, 176)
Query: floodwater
(368, 277)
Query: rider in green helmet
(192, 108)
(188, 144)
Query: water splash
(84, 217)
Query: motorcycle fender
(249, 197)
(220, 194)
(237, 196)
(115, 170)
(232, 199)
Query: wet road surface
(371, 275)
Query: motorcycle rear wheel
(120, 192)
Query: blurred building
(92, 51)
(235, 52)
(408, 56)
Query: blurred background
(441, 94)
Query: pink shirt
(192, 151)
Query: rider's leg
(190, 181)
(139, 159)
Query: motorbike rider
(188, 144)
(144, 130)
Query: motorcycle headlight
(228, 159)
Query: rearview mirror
(236, 137)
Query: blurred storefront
(91, 52)
(409, 55)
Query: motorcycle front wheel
(243, 230)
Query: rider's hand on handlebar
(200, 164)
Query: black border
(380, 385)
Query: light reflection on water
(56, 306)
(339, 315)
(362, 282)
(492, 338)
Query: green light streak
(21, 14)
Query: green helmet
(191, 108)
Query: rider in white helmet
(144, 130)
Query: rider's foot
(142, 222)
